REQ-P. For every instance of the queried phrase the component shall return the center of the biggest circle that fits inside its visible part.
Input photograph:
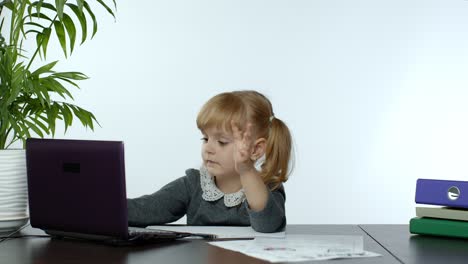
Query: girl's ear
(258, 149)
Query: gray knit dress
(186, 196)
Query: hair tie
(271, 118)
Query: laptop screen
(77, 186)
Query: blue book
(442, 192)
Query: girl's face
(218, 152)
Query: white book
(220, 232)
(443, 213)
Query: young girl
(246, 152)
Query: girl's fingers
(243, 139)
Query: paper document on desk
(294, 248)
(222, 232)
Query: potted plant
(28, 93)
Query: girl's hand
(243, 148)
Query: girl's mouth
(210, 162)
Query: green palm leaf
(44, 69)
(107, 8)
(81, 18)
(67, 116)
(93, 17)
(60, 31)
(71, 29)
(60, 4)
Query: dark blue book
(442, 192)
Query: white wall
(375, 93)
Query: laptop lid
(77, 186)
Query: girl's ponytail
(276, 167)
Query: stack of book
(448, 215)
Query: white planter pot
(13, 189)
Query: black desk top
(417, 249)
(50, 251)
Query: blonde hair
(252, 107)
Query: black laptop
(77, 189)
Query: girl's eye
(222, 143)
(204, 139)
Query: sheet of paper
(222, 232)
(294, 248)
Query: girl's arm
(265, 207)
(164, 206)
(255, 189)
(271, 216)
(245, 146)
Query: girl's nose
(209, 148)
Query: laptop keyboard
(148, 234)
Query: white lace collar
(212, 193)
